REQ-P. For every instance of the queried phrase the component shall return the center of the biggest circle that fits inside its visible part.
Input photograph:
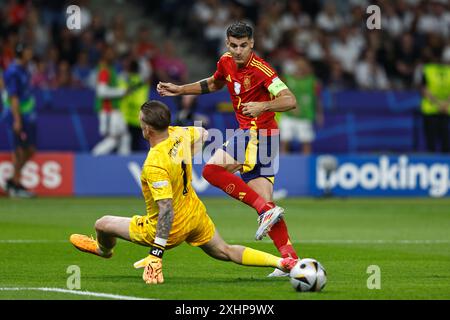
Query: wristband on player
(157, 249)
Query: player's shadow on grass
(116, 278)
(230, 280)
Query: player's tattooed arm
(214, 84)
(204, 86)
(165, 218)
(210, 85)
(166, 89)
(152, 264)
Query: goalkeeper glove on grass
(152, 265)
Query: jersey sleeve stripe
(260, 63)
(269, 74)
(262, 66)
(265, 72)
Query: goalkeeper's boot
(286, 265)
(266, 221)
(89, 245)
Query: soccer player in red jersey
(256, 93)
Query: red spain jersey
(248, 84)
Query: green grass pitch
(408, 239)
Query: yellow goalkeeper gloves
(152, 265)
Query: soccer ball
(308, 275)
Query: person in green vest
(435, 106)
(112, 126)
(130, 105)
(299, 123)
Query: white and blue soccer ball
(308, 275)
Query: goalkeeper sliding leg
(108, 228)
(219, 249)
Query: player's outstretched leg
(276, 227)
(257, 194)
(235, 187)
(219, 249)
(108, 228)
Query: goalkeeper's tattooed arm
(165, 218)
(163, 227)
(152, 264)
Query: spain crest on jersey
(247, 82)
(237, 87)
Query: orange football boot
(88, 244)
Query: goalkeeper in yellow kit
(174, 211)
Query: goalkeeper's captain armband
(157, 249)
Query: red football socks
(280, 237)
(235, 187)
(238, 189)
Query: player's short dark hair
(240, 30)
(156, 114)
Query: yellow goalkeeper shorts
(196, 231)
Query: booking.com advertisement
(382, 175)
(66, 174)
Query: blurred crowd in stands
(70, 58)
(332, 35)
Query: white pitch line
(31, 241)
(80, 293)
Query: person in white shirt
(369, 74)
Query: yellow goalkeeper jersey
(167, 173)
